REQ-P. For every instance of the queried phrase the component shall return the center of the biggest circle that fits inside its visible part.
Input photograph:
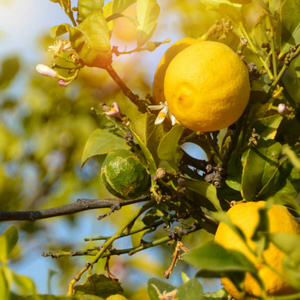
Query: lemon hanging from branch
(207, 86)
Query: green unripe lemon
(124, 176)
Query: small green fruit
(124, 176)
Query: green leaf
(215, 258)
(120, 5)
(205, 190)
(8, 241)
(169, 149)
(267, 127)
(260, 164)
(97, 144)
(9, 69)
(90, 39)
(218, 295)
(156, 286)
(4, 285)
(99, 285)
(234, 172)
(137, 237)
(147, 14)
(51, 297)
(148, 136)
(292, 273)
(24, 284)
(191, 290)
(86, 7)
(59, 30)
(290, 18)
(225, 8)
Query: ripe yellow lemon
(207, 86)
(246, 217)
(125, 29)
(159, 77)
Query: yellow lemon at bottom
(207, 86)
(246, 217)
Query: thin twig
(78, 206)
(135, 99)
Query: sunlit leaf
(267, 127)
(155, 286)
(147, 14)
(8, 241)
(102, 141)
(169, 149)
(290, 18)
(206, 190)
(215, 258)
(148, 136)
(218, 295)
(86, 7)
(24, 284)
(4, 285)
(192, 289)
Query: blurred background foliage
(43, 130)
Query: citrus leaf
(290, 18)
(120, 5)
(86, 7)
(24, 284)
(206, 190)
(147, 14)
(8, 241)
(218, 295)
(90, 39)
(215, 258)
(9, 69)
(234, 172)
(99, 285)
(97, 144)
(59, 30)
(169, 149)
(191, 290)
(148, 136)
(51, 297)
(260, 164)
(4, 285)
(154, 285)
(225, 8)
(267, 127)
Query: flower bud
(114, 111)
(282, 108)
(63, 83)
(46, 71)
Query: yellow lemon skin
(246, 217)
(124, 29)
(116, 297)
(159, 77)
(207, 86)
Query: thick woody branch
(78, 206)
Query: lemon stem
(214, 148)
(255, 51)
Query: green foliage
(56, 135)
(99, 285)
